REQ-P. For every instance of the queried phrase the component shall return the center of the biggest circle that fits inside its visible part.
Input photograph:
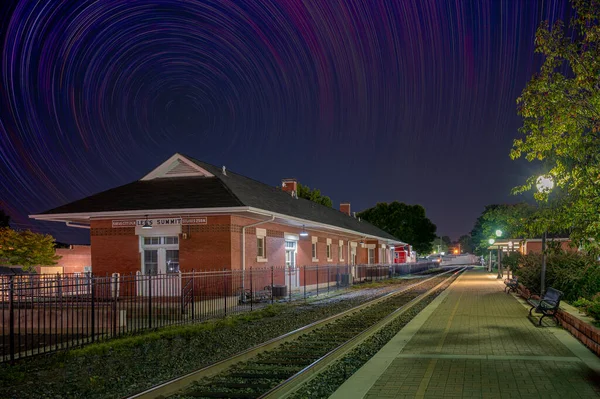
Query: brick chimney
(345, 208)
(289, 186)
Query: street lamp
(491, 241)
(498, 233)
(544, 185)
(500, 272)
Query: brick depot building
(189, 215)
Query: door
(290, 263)
(160, 262)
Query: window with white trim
(371, 256)
(329, 253)
(260, 247)
(314, 250)
(341, 252)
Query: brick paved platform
(474, 341)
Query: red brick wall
(74, 259)
(536, 247)
(207, 247)
(113, 250)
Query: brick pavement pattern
(478, 343)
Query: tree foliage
(408, 223)
(560, 107)
(466, 243)
(4, 219)
(314, 195)
(514, 220)
(26, 248)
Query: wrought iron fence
(47, 313)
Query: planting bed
(255, 377)
(127, 365)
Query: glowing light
(544, 183)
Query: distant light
(498, 233)
(392, 248)
(442, 253)
(544, 183)
(303, 233)
(456, 251)
(491, 241)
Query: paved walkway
(474, 341)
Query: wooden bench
(548, 304)
(512, 284)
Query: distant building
(189, 215)
(74, 259)
(531, 245)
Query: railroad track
(279, 366)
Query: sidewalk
(474, 341)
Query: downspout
(244, 247)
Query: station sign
(159, 222)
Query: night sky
(367, 100)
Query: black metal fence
(47, 313)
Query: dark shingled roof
(228, 190)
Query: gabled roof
(207, 186)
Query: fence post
(304, 268)
(317, 279)
(328, 277)
(149, 301)
(193, 294)
(92, 292)
(251, 291)
(290, 283)
(11, 310)
(225, 291)
(114, 283)
(272, 278)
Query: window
(151, 240)
(341, 252)
(371, 256)
(171, 240)
(314, 250)
(260, 247)
(172, 258)
(328, 251)
(151, 262)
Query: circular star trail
(95, 93)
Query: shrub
(590, 307)
(575, 274)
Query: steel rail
(296, 381)
(177, 384)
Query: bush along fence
(48, 313)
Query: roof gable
(177, 166)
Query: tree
(560, 107)
(407, 223)
(466, 243)
(439, 245)
(314, 195)
(4, 219)
(26, 248)
(514, 220)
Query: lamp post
(500, 272)
(491, 242)
(544, 184)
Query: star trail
(368, 100)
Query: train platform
(475, 341)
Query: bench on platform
(547, 305)
(512, 284)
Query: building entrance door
(160, 259)
(290, 263)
